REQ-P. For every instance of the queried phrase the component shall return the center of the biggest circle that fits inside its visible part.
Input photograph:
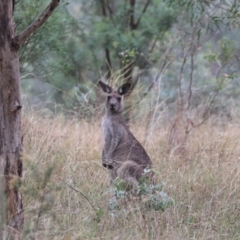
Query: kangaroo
(122, 154)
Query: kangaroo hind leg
(129, 172)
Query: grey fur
(122, 154)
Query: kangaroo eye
(108, 98)
(119, 99)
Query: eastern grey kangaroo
(122, 154)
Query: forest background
(182, 58)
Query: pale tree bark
(11, 206)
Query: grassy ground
(66, 190)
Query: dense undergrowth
(67, 192)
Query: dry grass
(204, 183)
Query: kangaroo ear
(105, 87)
(124, 89)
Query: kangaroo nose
(112, 105)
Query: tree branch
(110, 9)
(107, 51)
(23, 36)
(108, 62)
(131, 13)
(143, 11)
(103, 8)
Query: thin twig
(76, 190)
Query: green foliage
(150, 196)
(128, 56)
(68, 52)
(46, 42)
(191, 42)
(45, 56)
(228, 48)
(224, 53)
(116, 34)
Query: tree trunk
(11, 207)
(10, 128)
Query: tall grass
(66, 190)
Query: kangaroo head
(114, 102)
